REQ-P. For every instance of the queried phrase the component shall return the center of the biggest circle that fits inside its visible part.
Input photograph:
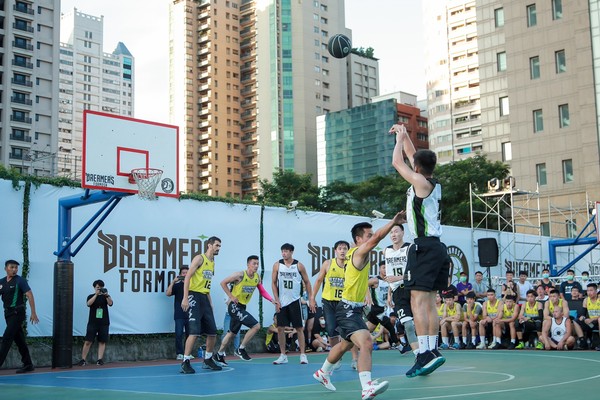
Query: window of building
(501, 61)
(561, 61)
(545, 228)
(504, 110)
(540, 173)
(499, 17)
(563, 116)
(538, 121)
(571, 226)
(506, 151)
(531, 15)
(556, 9)
(534, 67)
(567, 171)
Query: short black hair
(463, 273)
(399, 226)
(510, 271)
(554, 291)
(531, 291)
(470, 295)
(184, 267)
(287, 246)
(11, 262)
(212, 240)
(359, 229)
(478, 272)
(585, 273)
(98, 282)
(511, 297)
(425, 160)
(393, 314)
(523, 273)
(252, 257)
(341, 242)
(571, 271)
(592, 285)
(491, 290)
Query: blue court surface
(472, 374)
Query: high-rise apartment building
(28, 84)
(363, 77)
(540, 99)
(90, 79)
(452, 71)
(247, 80)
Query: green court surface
(466, 374)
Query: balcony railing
(22, 27)
(21, 138)
(19, 82)
(20, 100)
(23, 9)
(20, 119)
(22, 64)
(23, 46)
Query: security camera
(377, 214)
(292, 204)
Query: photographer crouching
(98, 322)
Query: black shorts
(529, 326)
(201, 316)
(239, 317)
(349, 319)
(290, 315)
(329, 308)
(428, 265)
(401, 299)
(376, 314)
(93, 330)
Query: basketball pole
(62, 326)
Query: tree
(455, 179)
(288, 186)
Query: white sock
(365, 379)
(222, 353)
(482, 339)
(187, 358)
(207, 355)
(445, 340)
(433, 342)
(496, 339)
(512, 340)
(423, 343)
(464, 339)
(474, 339)
(242, 346)
(327, 367)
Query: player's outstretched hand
(400, 217)
(397, 129)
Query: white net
(147, 179)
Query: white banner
(140, 246)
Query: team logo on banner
(458, 261)
(146, 263)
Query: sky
(392, 27)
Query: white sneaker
(480, 346)
(281, 360)
(354, 365)
(324, 379)
(179, 357)
(303, 359)
(374, 389)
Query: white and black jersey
(423, 215)
(289, 283)
(395, 263)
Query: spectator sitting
(591, 310)
(556, 332)
(530, 320)
(585, 277)
(570, 283)
(542, 296)
(381, 338)
(472, 311)
(450, 289)
(575, 312)
(509, 288)
(320, 341)
(510, 312)
(450, 321)
(490, 312)
(524, 286)
(545, 282)
(554, 301)
(479, 287)
(463, 287)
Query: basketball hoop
(147, 179)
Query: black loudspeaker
(488, 252)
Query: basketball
(339, 46)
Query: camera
(103, 290)
(292, 204)
(377, 214)
(181, 278)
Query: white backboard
(114, 145)
(598, 221)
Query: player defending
(288, 274)
(197, 301)
(332, 273)
(349, 311)
(396, 257)
(428, 268)
(244, 283)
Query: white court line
(83, 378)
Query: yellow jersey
(356, 282)
(551, 305)
(531, 311)
(244, 289)
(201, 280)
(593, 307)
(508, 312)
(440, 310)
(492, 311)
(334, 282)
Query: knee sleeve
(409, 331)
